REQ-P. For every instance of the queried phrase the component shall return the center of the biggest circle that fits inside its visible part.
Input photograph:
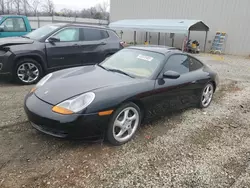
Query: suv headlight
(75, 104)
(41, 82)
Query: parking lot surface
(192, 148)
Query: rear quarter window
(194, 64)
(93, 34)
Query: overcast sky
(75, 4)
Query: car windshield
(134, 62)
(42, 31)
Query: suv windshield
(139, 63)
(42, 31)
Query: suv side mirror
(54, 39)
(1, 28)
(171, 74)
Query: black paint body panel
(154, 96)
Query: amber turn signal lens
(61, 110)
(105, 113)
(32, 90)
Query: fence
(37, 22)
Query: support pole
(173, 42)
(165, 38)
(134, 37)
(205, 44)
(159, 36)
(188, 35)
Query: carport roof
(181, 26)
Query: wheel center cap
(127, 124)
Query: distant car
(14, 25)
(115, 96)
(53, 47)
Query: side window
(104, 34)
(177, 63)
(68, 35)
(91, 34)
(14, 25)
(194, 64)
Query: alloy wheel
(207, 95)
(125, 124)
(28, 72)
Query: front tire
(124, 124)
(28, 71)
(207, 95)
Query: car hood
(72, 82)
(10, 41)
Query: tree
(67, 12)
(25, 6)
(49, 7)
(2, 4)
(102, 7)
(17, 4)
(8, 7)
(34, 6)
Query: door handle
(194, 82)
(76, 45)
(103, 43)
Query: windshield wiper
(119, 71)
(102, 67)
(115, 70)
(23, 36)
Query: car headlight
(75, 104)
(41, 82)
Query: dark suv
(53, 47)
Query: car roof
(81, 25)
(156, 48)
(12, 15)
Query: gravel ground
(192, 148)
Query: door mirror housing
(171, 74)
(1, 28)
(54, 39)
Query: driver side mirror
(54, 39)
(171, 74)
(1, 28)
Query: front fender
(111, 97)
(28, 51)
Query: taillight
(123, 44)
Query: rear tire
(124, 124)
(27, 71)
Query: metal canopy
(178, 26)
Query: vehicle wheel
(28, 71)
(206, 95)
(124, 124)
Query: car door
(173, 93)
(94, 45)
(13, 26)
(200, 77)
(67, 51)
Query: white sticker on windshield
(146, 58)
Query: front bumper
(45, 120)
(6, 63)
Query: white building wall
(230, 16)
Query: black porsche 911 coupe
(114, 97)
